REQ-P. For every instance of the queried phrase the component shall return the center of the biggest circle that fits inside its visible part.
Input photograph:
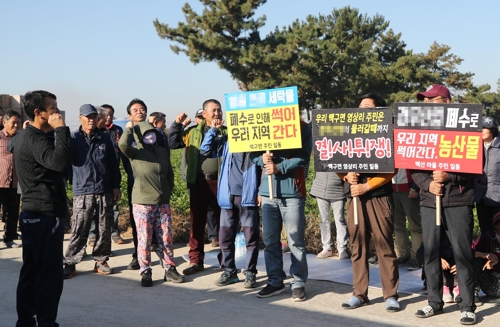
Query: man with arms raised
(201, 177)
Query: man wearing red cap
(457, 195)
(437, 93)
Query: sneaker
(193, 268)
(102, 268)
(13, 245)
(271, 290)
(456, 294)
(427, 312)
(227, 278)
(299, 294)
(413, 265)
(402, 261)
(146, 280)
(373, 259)
(250, 280)
(447, 298)
(134, 264)
(325, 254)
(468, 318)
(116, 238)
(172, 275)
(69, 271)
(343, 254)
(285, 248)
(215, 242)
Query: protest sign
(438, 136)
(263, 120)
(353, 140)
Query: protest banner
(444, 136)
(438, 136)
(353, 140)
(263, 120)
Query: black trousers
(10, 201)
(229, 226)
(458, 224)
(41, 279)
(485, 215)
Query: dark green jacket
(191, 139)
(153, 174)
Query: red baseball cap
(434, 91)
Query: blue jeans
(289, 211)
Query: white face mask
(149, 138)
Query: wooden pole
(270, 180)
(355, 206)
(438, 210)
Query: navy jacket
(94, 164)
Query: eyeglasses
(434, 100)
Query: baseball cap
(199, 113)
(87, 109)
(434, 91)
(489, 122)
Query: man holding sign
(370, 195)
(455, 191)
(286, 205)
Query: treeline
(332, 58)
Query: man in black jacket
(41, 161)
(457, 194)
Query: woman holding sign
(369, 197)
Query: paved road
(90, 299)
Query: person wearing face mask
(153, 185)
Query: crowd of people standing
(229, 190)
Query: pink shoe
(447, 298)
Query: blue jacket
(94, 164)
(290, 180)
(216, 147)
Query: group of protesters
(228, 189)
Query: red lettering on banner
(325, 149)
(359, 147)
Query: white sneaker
(13, 244)
(343, 254)
(324, 254)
